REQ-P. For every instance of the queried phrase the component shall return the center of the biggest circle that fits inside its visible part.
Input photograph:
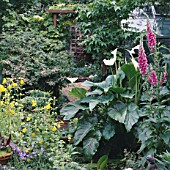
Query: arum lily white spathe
(72, 80)
(131, 52)
(111, 61)
(128, 169)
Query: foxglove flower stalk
(142, 61)
(164, 78)
(151, 38)
(152, 78)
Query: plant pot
(5, 157)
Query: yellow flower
(11, 104)
(48, 106)
(54, 129)
(34, 103)
(23, 123)
(21, 82)
(28, 160)
(28, 118)
(4, 81)
(41, 142)
(1, 103)
(9, 87)
(27, 150)
(12, 112)
(38, 130)
(69, 137)
(33, 135)
(14, 84)
(2, 88)
(24, 130)
(57, 125)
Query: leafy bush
(34, 50)
(104, 112)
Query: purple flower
(152, 78)
(142, 61)
(164, 78)
(151, 38)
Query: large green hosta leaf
(126, 114)
(70, 110)
(84, 127)
(104, 85)
(78, 92)
(131, 116)
(118, 112)
(131, 73)
(108, 131)
(93, 101)
(91, 143)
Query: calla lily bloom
(111, 61)
(72, 80)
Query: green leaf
(83, 129)
(166, 137)
(105, 99)
(108, 83)
(126, 114)
(90, 146)
(118, 89)
(88, 83)
(70, 110)
(131, 116)
(104, 85)
(97, 91)
(78, 92)
(102, 162)
(119, 112)
(108, 131)
(127, 95)
(93, 104)
(131, 73)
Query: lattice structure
(75, 42)
(76, 35)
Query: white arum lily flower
(114, 52)
(128, 169)
(92, 76)
(132, 51)
(112, 60)
(135, 63)
(72, 80)
(109, 62)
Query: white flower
(128, 169)
(92, 76)
(72, 80)
(135, 63)
(112, 60)
(109, 62)
(132, 51)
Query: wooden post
(55, 19)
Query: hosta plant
(105, 110)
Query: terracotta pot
(4, 158)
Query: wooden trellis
(76, 35)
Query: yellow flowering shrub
(10, 106)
